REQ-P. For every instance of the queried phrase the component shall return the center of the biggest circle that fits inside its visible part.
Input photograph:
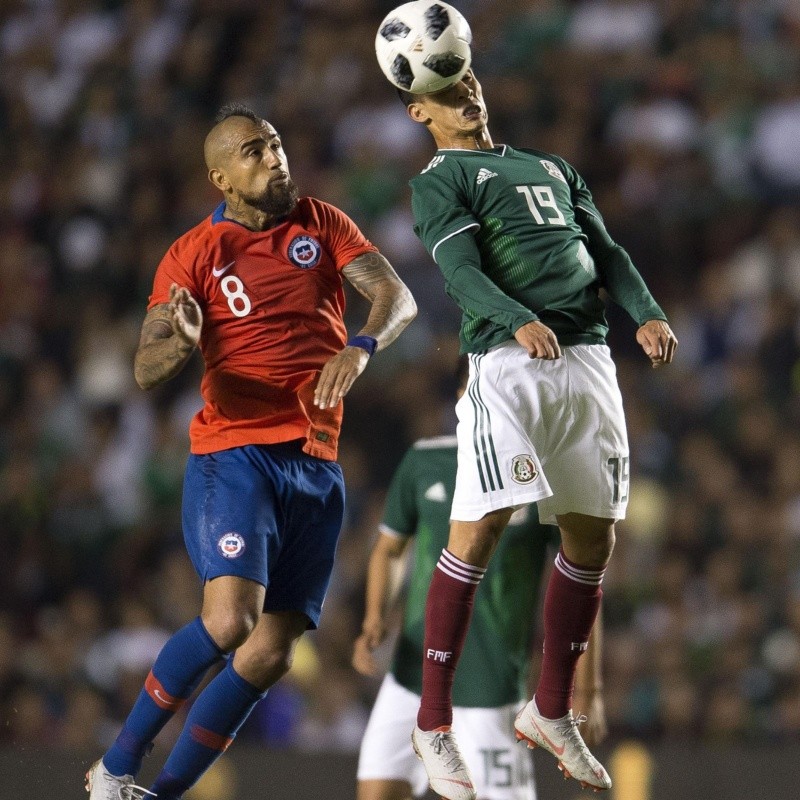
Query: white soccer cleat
(102, 785)
(447, 771)
(561, 738)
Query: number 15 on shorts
(620, 467)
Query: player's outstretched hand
(658, 342)
(538, 340)
(338, 375)
(185, 315)
(595, 729)
(372, 636)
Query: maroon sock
(447, 615)
(571, 604)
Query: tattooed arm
(170, 333)
(392, 309)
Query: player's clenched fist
(538, 340)
(658, 341)
(185, 315)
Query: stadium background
(684, 118)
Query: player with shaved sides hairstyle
(257, 287)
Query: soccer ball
(424, 46)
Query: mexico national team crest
(304, 251)
(553, 169)
(231, 545)
(523, 469)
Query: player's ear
(217, 177)
(417, 112)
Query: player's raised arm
(170, 333)
(393, 308)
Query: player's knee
(230, 627)
(265, 666)
(588, 541)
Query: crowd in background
(684, 118)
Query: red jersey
(273, 306)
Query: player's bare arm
(170, 333)
(380, 592)
(392, 309)
(658, 342)
(538, 340)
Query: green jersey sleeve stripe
(383, 528)
(451, 235)
(587, 210)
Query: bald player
(257, 286)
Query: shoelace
(569, 729)
(132, 792)
(445, 742)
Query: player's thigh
(498, 462)
(312, 510)
(588, 467)
(386, 753)
(500, 768)
(229, 520)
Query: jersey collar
(219, 216)
(498, 150)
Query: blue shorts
(270, 513)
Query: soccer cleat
(561, 738)
(102, 785)
(447, 772)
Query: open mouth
(473, 112)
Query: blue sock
(179, 668)
(215, 717)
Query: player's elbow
(407, 305)
(144, 377)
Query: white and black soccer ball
(424, 46)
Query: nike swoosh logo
(559, 751)
(163, 699)
(217, 271)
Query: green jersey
(494, 664)
(518, 238)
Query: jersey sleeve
(618, 276)
(440, 207)
(400, 512)
(175, 267)
(342, 237)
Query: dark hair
(406, 97)
(236, 110)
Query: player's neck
(251, 218)
(474, 141)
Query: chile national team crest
(304, 251)
(231, 545)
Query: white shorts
(501, 768)
(551, 432)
